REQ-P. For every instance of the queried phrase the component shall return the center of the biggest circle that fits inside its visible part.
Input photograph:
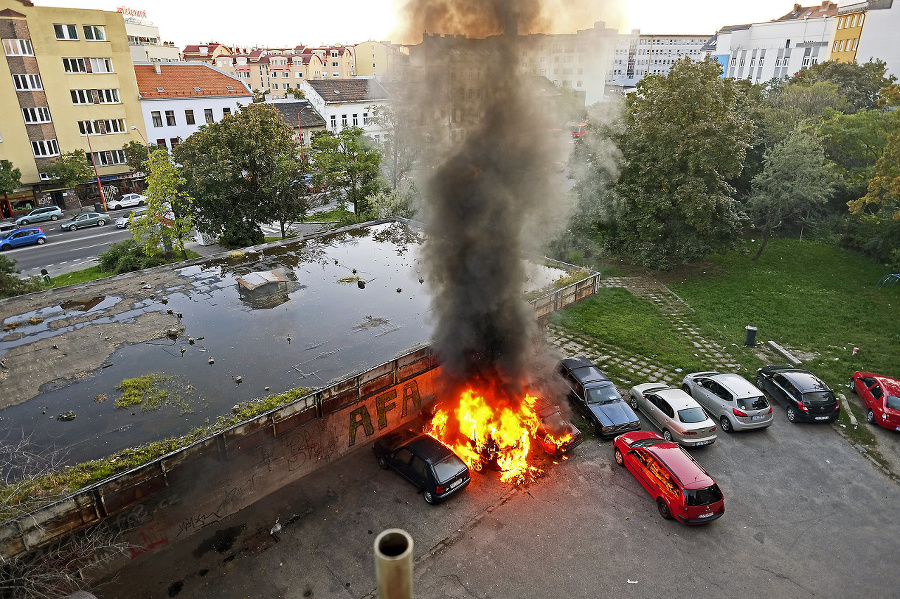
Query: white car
(675, 413)
(123, 221)
(127, 201)
(730, 399)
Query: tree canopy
(858, 83)
(229, 169)
(70, 169)
(169, 217)
(348, 164)
(683, 139)
(10, 177)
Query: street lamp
(143, 139)
(94, 164)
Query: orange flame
(498, 436)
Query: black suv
(428, 464)
(597, 398)
(804, 395)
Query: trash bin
(751, 336)
(98, 206)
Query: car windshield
(752, 403)
(703, 496)
(692, 415)
(602, 395)
(448, 468)
(648, 442)
(893, 402)
(819, 397)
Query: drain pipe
(393, 564)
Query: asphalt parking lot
(806, 516)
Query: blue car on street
(20, 237)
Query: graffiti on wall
(384, 404)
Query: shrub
(11, 285)
(241, 234)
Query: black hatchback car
(804, 395)
(428, 464)
(597, 398)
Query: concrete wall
(174, 496)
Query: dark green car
(88, 219)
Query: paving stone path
(643, 369)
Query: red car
(881, 396)
(682, 489)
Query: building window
(174, 142)
(161, 143)
(109, 158)
(298, 75)
(275, 86)
(285, 75)
(157, 118)
(66, 32)
(335, 74)
(101, 127)
(355, 121)
(108, 96)
(333, 122)
(74, 65)
(101, 65)
(365, 118)
(226, 111)
(44, 147)
(81, 96)
(18, 47)
(208, 115)
(170, 118)
(189, 117)
(27, 82)
(39, 114)
(343, 120)
(94, 33)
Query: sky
(288, 23)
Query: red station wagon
(881, 396)
(682, 489)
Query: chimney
(157, 68)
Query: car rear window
(691, 415)
(703, 496)
(601, 395)
(893, 402)
(448, 468)
(752, 403)
(819, 397)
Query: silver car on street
(675, 413)
(731, 400)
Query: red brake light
(690, 432)
(803, 407)
(40, 229)
(770, 409)
(440, 489)
(737, 412)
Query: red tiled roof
(826, 9)
(179, 80)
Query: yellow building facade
(66, 83)
(847, 32)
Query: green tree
(10, 284)
(859, 83)
(854, 143)
(399, 150)
(348, 164)
(136, 155)
(10, 177)
(70, 169)
(230, 169)
(168, 220)
(882, 199)
(683, 139)
(291, 198)
(793, 184)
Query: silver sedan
(675, 414)
(730, 399)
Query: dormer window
(229, 88)
(196, 89)
(160, 90)
(204, 49)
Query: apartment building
(347, 103)
(144, 39)
(879, 24)
(636, 55)
(204, 52)
(178, 98)
(380, 59)
(778, 48)
(66, 83)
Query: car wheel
(428, 497)
(41, 241)
(620, 459)
(725, 423)
(141, 203)
(852, 386)
(667, 435)
(101, 222)
(634, 405)
(760, 380)
(25, 222)
(54, 217)
(870, 417)
(792, 414)
(663, 508)
(382, 463)
(73, 227)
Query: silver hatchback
(730, 399)
(675, 413)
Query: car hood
(611, 414)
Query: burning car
(428, 464)
(556, 435)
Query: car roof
(677, 398)
(682, 465)
(738, 385)
(804, 380)
(584, 370)
(429, 449)
(890, 385)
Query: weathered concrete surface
(32, 365)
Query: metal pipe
(393, 564)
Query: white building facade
(879, 37)
(636, 55)
(347, 103)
